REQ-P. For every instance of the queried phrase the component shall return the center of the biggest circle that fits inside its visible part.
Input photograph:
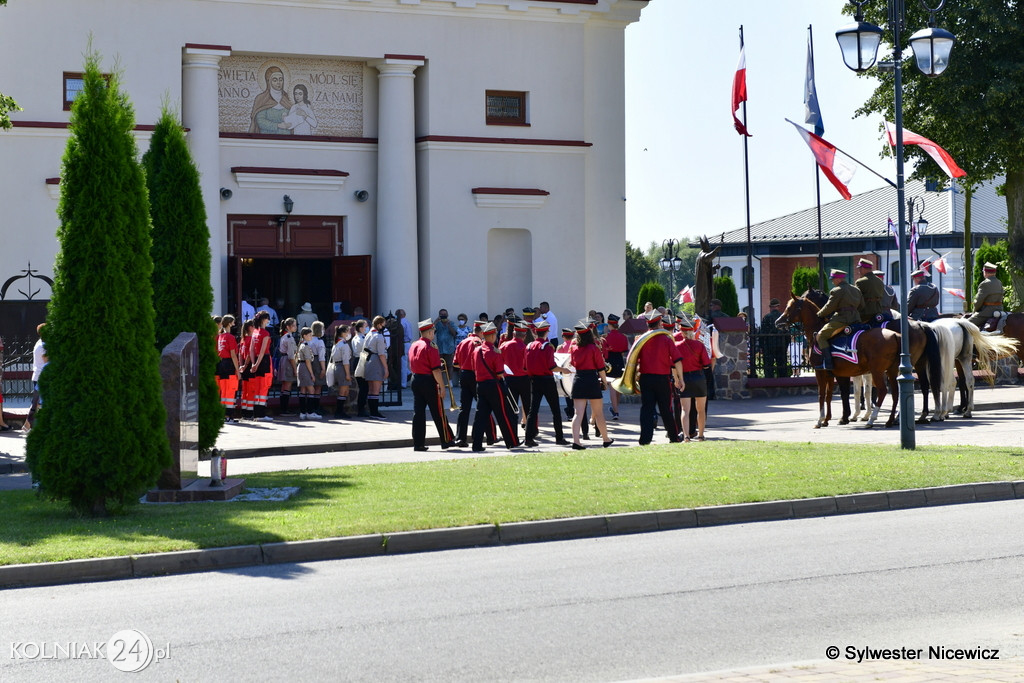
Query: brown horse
(878, 352)
(1014, 329)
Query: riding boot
(826, 358)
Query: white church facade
(416, 154)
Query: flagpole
(817, 170)
(750, 248)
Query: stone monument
(179, 368)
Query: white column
(200, 116)
(396, 273)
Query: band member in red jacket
(428, 389)
(588, 386)
(658, 368)
(540, 366)
(491, 399)
(694, 359)
(513, 352)
(616, 346)
(464, 354)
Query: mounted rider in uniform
(842, 308)
(873, 291)
(988, 302)
(923, 299)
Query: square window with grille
(506, 108)
(73, 84)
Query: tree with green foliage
(182, 294)
(804, 278)
(650, 291)
(98, 441)
(971, 110)
(680, 278)
(725, 291)
(639, 269)
(998, 254)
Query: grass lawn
(367, 499)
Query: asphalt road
(615, 608)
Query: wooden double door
(293, 260)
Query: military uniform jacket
(873, 291)
(990, 296)
(844, 302)
(922, 302)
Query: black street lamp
(859, 43)
(670, 263)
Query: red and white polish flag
(739, 92)
(941, 156)
(837, 167)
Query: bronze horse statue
(878, 352)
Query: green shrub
(650, 291)
(182, 295)
(804, 278)
(725, 291)
(98, 441)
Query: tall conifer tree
(99, 441)
(182, 295)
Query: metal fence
(17, 369)
(779, 354)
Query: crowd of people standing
(505, 367)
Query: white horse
(958, 340)
(861, 395)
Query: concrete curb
(485, 535)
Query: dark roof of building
(866, 216)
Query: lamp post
(859, 44)
(670, 262)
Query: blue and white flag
(812, 112)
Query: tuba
(626, 384)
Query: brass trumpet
(452, 405)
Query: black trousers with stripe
(425, 395)
(490, 400)
(543, 388)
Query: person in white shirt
(544, 313)
(39, 360)
(306, 317)
(409, 337)
(248, 311)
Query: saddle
(995, 324)
(844, 345)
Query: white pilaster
(397, 260)
(199, 114)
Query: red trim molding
(65, 124)
(290, 171)
(511, 190)
(504, 141)
(203, 46)
(415, 58)
(311, 138)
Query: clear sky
(684, 159)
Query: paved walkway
(293, 444)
